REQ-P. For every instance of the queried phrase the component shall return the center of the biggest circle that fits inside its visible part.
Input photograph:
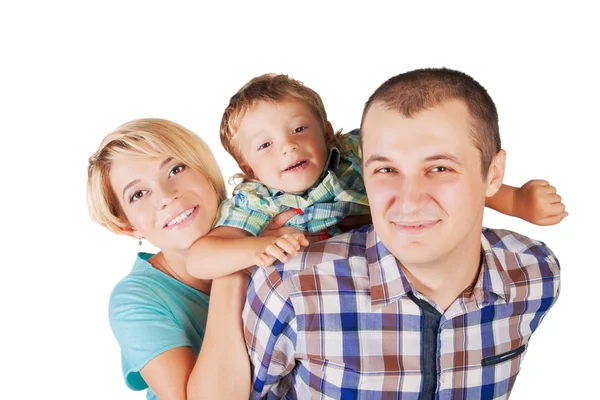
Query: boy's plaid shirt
(341, 321)
(339, 192)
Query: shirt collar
(493, 277)
(388, 282)
(332, 164)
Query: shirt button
(442, 378)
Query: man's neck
(443, 280)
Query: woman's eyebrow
(130, 184)
(165, 162)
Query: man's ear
(495, 173)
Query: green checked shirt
(338, 193)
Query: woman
(154, 179)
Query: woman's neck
(173, 264)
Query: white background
(69, 73)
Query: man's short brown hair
(412, 92)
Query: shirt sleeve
(144, 328)
(270, 333)
(239, 212)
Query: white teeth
(181, 217)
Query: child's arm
(222, 370)
(536, 202)
(226, 250)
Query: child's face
(283, 143)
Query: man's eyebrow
(130, 184)
(443, 157)
(376, 158)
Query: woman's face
(165, 201)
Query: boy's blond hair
(271, 88)
(143, 139)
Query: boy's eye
(299, 129)
(177, 169)
(137, 195)
(384, 170)
(264, 145)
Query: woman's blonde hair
(144, 138)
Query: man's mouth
(295, 166)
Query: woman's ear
(495, 173)
(131, 231)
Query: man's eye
(137, 195)
(385, 170)
(264, 146)
(299, 129)
(177, 169)
(439, 169)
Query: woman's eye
(176, 170)
(264, 146)
(137, 195)
(299, 129)
(385, 170)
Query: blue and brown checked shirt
(342, 321)
(338, 193)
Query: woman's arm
(223, 368)
(167, 374)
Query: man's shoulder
(521, 255)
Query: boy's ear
(328, 129)
(496, 173)
(246, 170)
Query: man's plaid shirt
(338, 193)
(341, 321)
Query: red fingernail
(298, 211)
(325, 236)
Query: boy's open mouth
(295, 166)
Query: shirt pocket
(499, 358)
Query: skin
(151, 193)
(427, 194)
(274, 136)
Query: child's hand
(537, 202)
(280, 249)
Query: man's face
(423, 180)
(283, 143)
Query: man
(425, 303)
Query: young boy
(277, 130)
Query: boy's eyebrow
(130, 184)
